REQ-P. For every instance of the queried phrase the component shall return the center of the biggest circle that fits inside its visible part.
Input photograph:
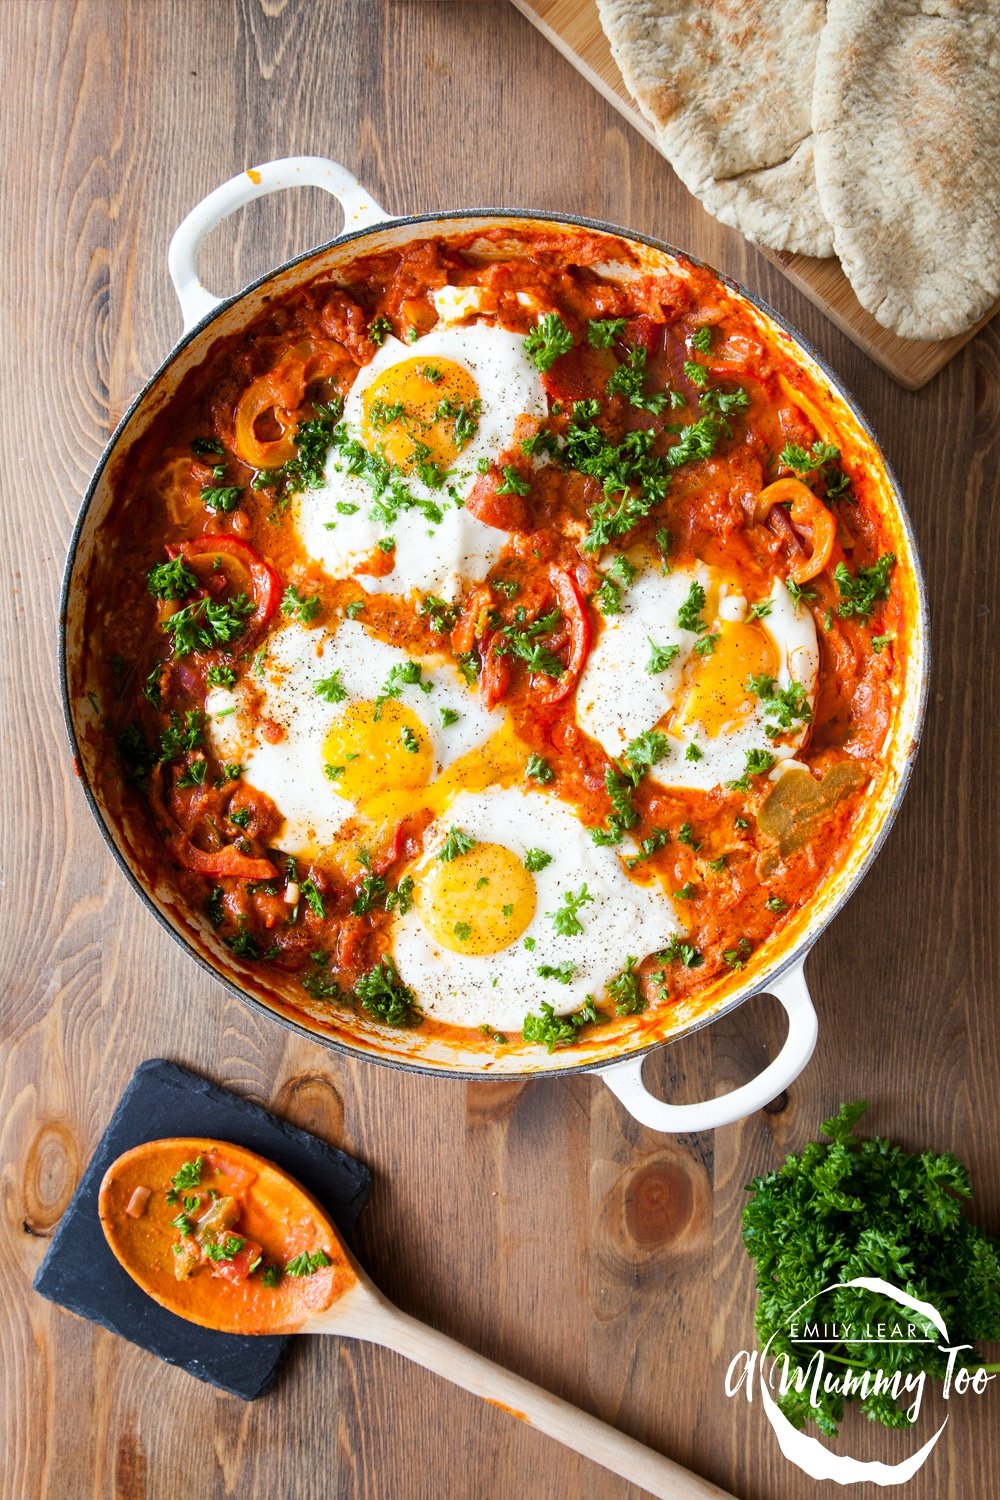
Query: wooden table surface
(536, 1223)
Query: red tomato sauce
(755, 856)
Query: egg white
(625, 918)
(618, 699)
(291, 772)
(338, 524)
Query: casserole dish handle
(625, 1079)
(360, 211)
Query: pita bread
(907, 131)
(727, 85)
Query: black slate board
(80, 1273)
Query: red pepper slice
(220, 863)
(570, 601)
(266, 583)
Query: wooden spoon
(139, 1209)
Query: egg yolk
(420, 411)
(717, 695)
(375, 748)
(478, 903)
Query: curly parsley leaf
(850, 1207)
(861, 591)
(171, 580)
(547, 341)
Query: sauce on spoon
(221, 1236)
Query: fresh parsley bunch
(862, 1207)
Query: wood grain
(538, 1224)
(574, 27)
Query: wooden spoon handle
(381, 1323)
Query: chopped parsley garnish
(629, 379)
(644, 752)
(861, 591)
(654, 841)
(403, 674)
(721, 404)
(547, 341)
(536, 859)
(243, 944)
(696, 373)
(203, 447)
(787, 706)
(410, 741)
(879, 643)
(313, 898)
(602, 332)
(309, 1262)
(565, 918)
(689, 614)
(187, 1176)
(685, 835)
(686, 892)
(761, 609)
(807, 461)
(660, 657)
(221, 677)
(513, 483)
(225, 1249)
(213, 905)
(553, 1031)
(440, 616)
(401, 899)
(270, 1276)
(623, 814)
(539, 769)
(206, 624)
(562, 973)
(456, 844)
(737, 957)
(701, 339)
(221, 500)
(382, 414)
(152, 688)
(449, 716)
(193, 774)
(171, 580)
(297, 606)
(465, 418)
(378, 328)
(354, 609)
(468, 664)
(331, 689)
(626, 991)
(383, 995)
(798, 592)
(522, 639)
(706, 646)
(181, 736)
(693, 753)
(775, 904)
(463, 931)
(757, 762)
(372, 892)
(679, 951)
(608, 597)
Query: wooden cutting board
(574, 27)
